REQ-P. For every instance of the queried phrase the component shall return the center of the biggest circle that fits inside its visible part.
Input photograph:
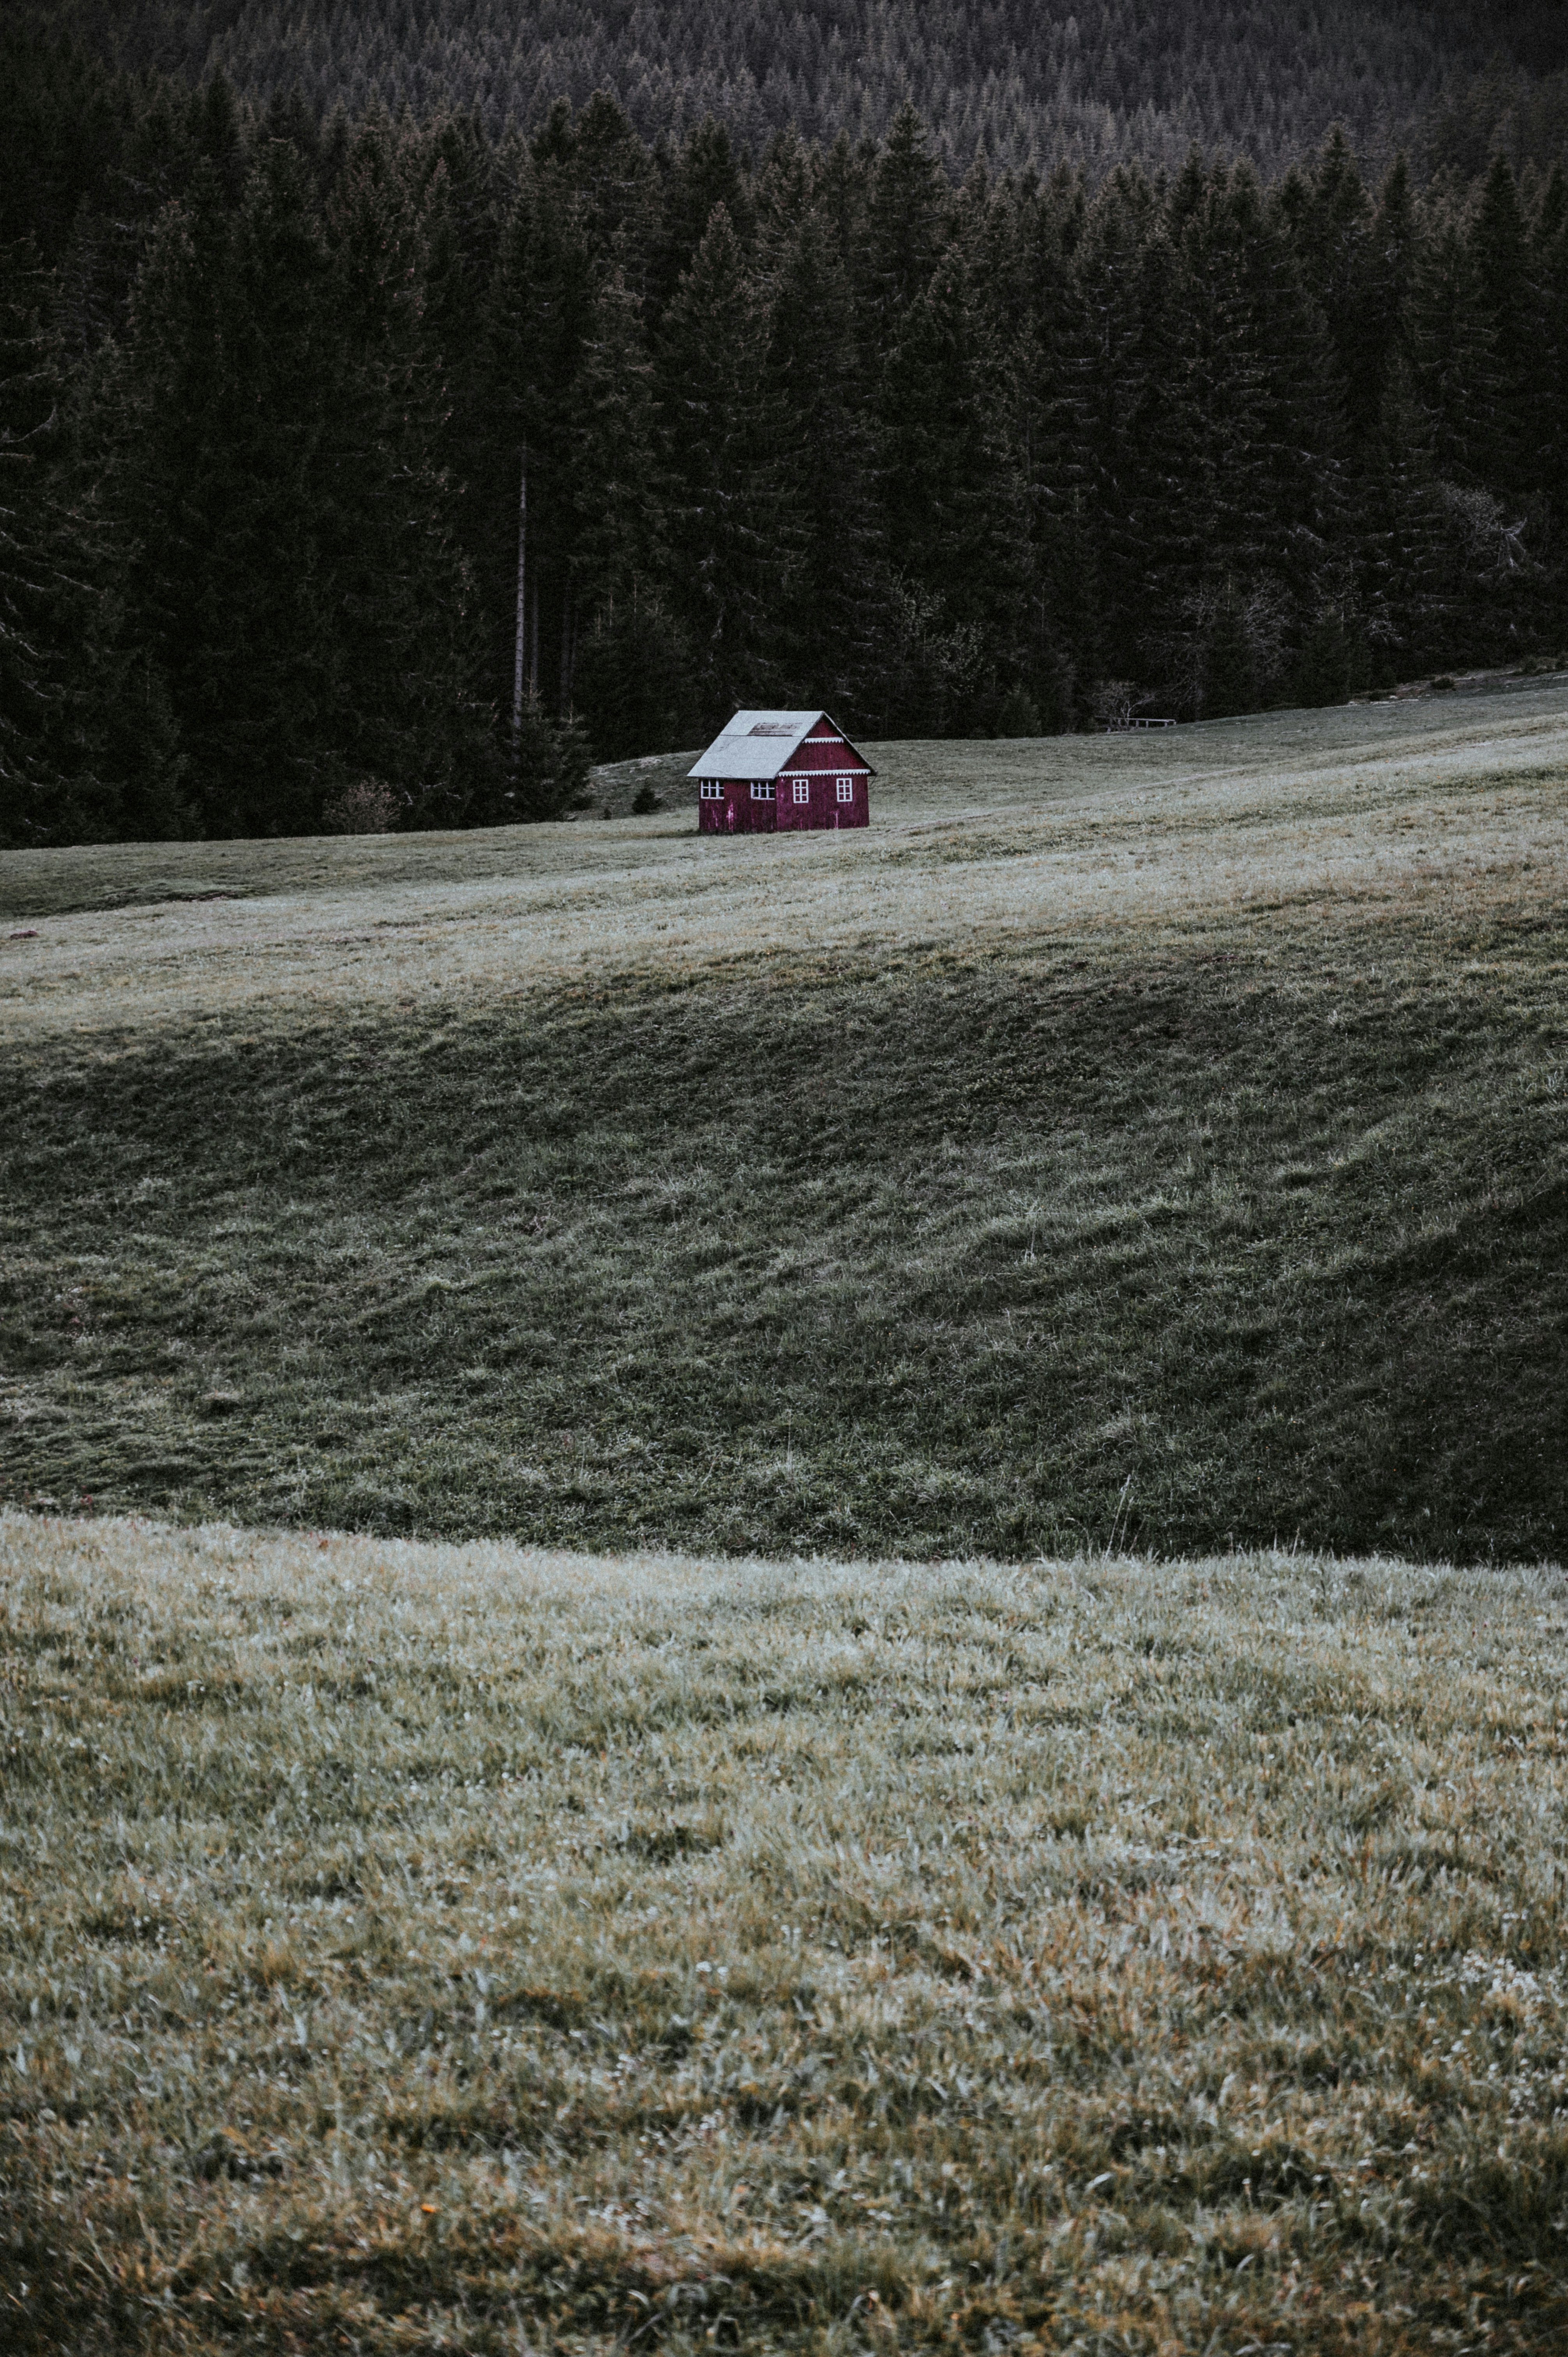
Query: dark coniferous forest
(393, 421)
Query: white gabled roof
(758, 744)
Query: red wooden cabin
(770, 770)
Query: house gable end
(825, 746)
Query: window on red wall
(710, 791)
(802, 790)
(846, 790)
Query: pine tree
(1130, 449)
(953, 495)
(413, 704)
(1552, 379)
(839, 194)
(219, 408)
(636, 677)
(1506, 297)
(1229, 671)
(1331, 661)
(292, 578)
(908, 221)
(1401, 558)
(612, 177)
(1453, 347)
(1048, 353)
(542, 312)
(1381, 298)
(52, 786)
(705, 178)
(835, 614)
(274, 385)
(731, 551)
(612, 468)
(1351, 256)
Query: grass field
(413, 1948)
(1158, 1136)
(1005, 1940)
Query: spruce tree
(613, 177)
(732, 547)
(1506, 295)
(613, 488)
(907, 223)
(273, 386)
(542, 316)
(229, 376)
(414, 705)
(704, 178)
(636, 677)
(1454, 347)
(1329, 233)
(953, 495)
(1229, 671)
(1381, 304)
(54, 569)
(1402, 561)
(1551, 383)
(1331, 661)
(834, 616)
(617, 547)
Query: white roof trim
(757, 745)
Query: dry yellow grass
(416, 1948)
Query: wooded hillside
(820, 427)
(1097, 81)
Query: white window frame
(762, 789)
(711, 790)
(802, 790)
(846, 789)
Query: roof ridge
(756, 741)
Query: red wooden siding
(737, 811)
(819, 763)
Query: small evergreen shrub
(1019, 715)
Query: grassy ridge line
(1158, 870)
(1279, 753)
(428, 1947)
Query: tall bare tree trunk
(566, 651)
(518, 650)
(533, 639)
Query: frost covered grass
(416, 1948)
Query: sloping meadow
(412, 1948)
(1165, 1143)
